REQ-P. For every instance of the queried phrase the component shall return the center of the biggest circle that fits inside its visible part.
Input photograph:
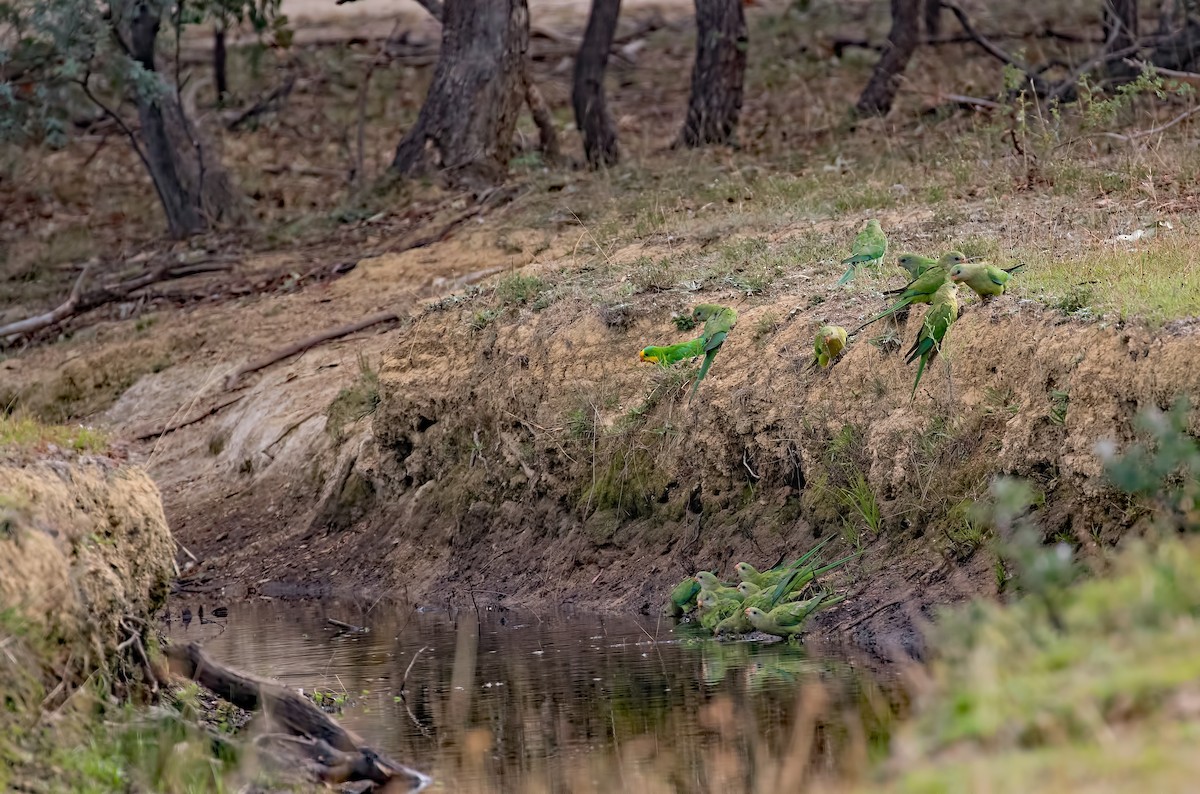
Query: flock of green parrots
(933, 281)
(778, 601)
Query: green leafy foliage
(1164, 469)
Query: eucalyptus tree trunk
(193, 187)
(465, 128)
(880, 92)
(717, 75)
(587, 95)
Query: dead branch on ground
(335, 753)
(78, 302)
(171, 428)
(308, 343)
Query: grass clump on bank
(23, 434)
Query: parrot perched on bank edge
(713, 609)
(870, 245)
(922, 288)
(666, 355)
(788, 620)
(748, 573)
(718, 322)
(943, 311)
(828, 345)
(986, 281)
(682, 597)
(711, 584)
(915, 264)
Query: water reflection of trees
(517, 707)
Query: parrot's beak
(642, 355)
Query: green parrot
(713, 609)
(922, 288)
(830, 341)
(669, 354)
(986, 281)
(915, 264)
(941, 315)
(788, 620)
(748, 573)
(870, 246)
(709, 583)
(718, 322)
(737, 623)
(682, 598)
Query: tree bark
(220, 69)
(933, 18)
(880, 92)
(717, 75)
(193, 187)
(587, 94)
(466, 125)
(1120, 32)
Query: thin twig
(112, 114)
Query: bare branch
(1039, 85)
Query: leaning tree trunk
(933, 18)
(877, 97)
(193, 187)
(587, 93)
(220, 63)
(466, 125)
(1120, 33)
(716, 98)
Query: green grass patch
(24, 434)
(1159, 281)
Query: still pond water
(501, 701)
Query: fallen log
(309, 342)
(336, 753)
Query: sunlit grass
(25, 434)
(1157, 281)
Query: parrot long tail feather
(708, 360)
(920, 369)
(1014, 268)
(849, 274)
(891, 310)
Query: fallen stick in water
(348, 628)
(333, 751)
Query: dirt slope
(526, 455)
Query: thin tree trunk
(542, 119)
(933, 18)
(587, 94)
(881, 89)
(1120, 32)
(182, 206)
(220, 70)
(466, 124)
(193, 187)
(716, 97)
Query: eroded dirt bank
(525, 455)
(85, 560)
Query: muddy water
(508, 702)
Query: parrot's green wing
(929, 340)
(719, 321)
(870, 245)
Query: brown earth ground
(518, 450)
